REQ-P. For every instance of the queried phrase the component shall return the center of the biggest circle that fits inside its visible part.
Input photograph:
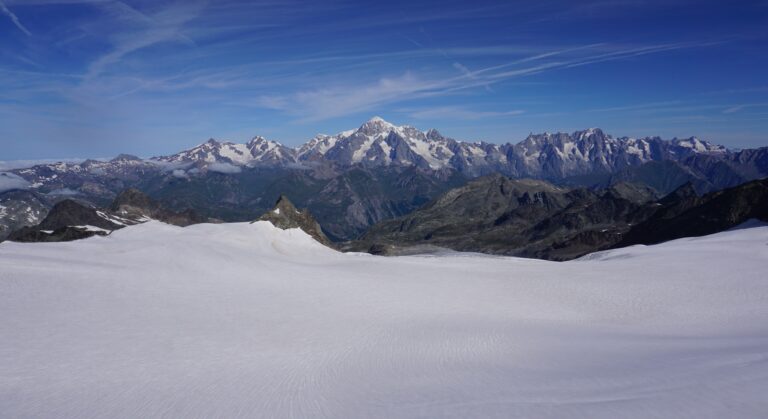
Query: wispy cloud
(164, 26)
(677, 107)
(22, 164)
(636, 52)
(753, 89)
(10, 181)
(734, 109)
(640, 106)
(225, 168)
(341, 100)
(741, 107)
(319, 104)
(14, 19)
(458, 112)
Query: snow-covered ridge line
(378, 142)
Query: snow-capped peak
(256, 151)
(377, 125)
(698, 146)
(589, 132)
(259, 142)
(378, 119)
(378, 142)
(434, 134)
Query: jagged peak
(433, 134)
(210, 143)
(261, 141)
(698, 144)
(589, 132)
(125, 157)
(379, 125)
(377, 129)
(377, 121)
(285, 215)
(283, 201)
(576, 134)
(257, 139)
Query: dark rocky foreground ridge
(134, 204)
(683, 214)
(70, 220)
(533, 218)
(73, 220)
(492, 214)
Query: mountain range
(378, 171)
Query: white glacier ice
(246, 320)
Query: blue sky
(92, 78)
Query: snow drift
(246, 320)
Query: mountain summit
(285, 215)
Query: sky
(95, 78)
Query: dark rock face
(134, 204)
(126, 157)
(285, 215)
(67, 220)
(72, 213)
(72, 220)
(533, 218)
(529, 218)
(21, 208)
(686, 215)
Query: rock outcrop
(134, 204)
(285, 215)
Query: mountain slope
(259, 151)
(698, 216)
(499, 215)
(71, 220)
(532, 218)
(134, 204)
(20, 208)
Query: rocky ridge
(285, 215)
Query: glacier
(247, 320)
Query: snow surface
(245, 320)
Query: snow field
(246, 320)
